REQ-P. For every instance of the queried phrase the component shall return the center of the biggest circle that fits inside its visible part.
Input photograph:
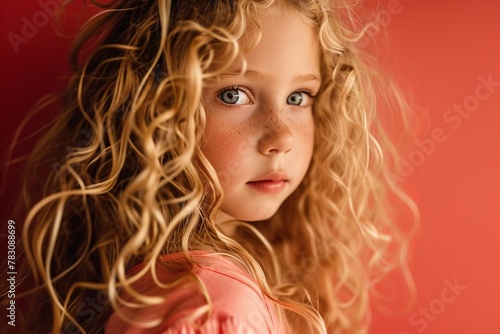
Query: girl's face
(260, 128)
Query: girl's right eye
(234, 96)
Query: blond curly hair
(132, 183)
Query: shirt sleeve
(220, 324)
(237, 305)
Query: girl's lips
(268, 186)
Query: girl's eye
(234, 96)
(299, 99)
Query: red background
(441, 49)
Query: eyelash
(305, 92)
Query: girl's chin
(246, 216)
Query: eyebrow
(257, 74)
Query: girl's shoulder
(238, 304)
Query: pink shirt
(239, 306)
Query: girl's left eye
(299, 99)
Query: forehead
(288, 43)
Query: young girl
(214, 170)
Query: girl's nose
(277, 136)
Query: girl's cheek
(304, 126)
(226, 140)
(305, 137)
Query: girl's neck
(226, 223)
